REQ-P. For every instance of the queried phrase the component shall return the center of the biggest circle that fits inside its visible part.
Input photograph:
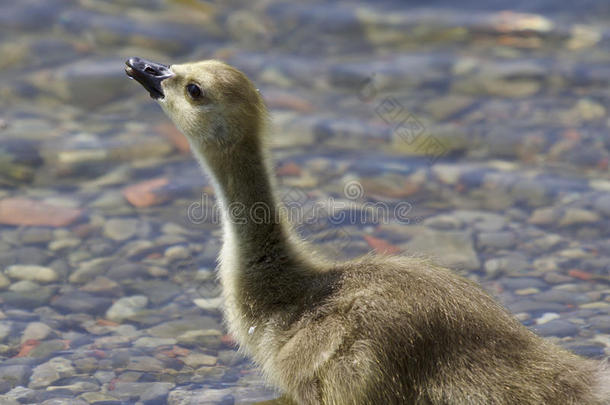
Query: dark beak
(148, 74)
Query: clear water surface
(474, 134)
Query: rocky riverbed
(476, 136)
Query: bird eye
(194, 91)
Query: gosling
(375, 330)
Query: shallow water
(474, 135)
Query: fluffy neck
(258, 252)
(244, 186)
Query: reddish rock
(289, 169)
(84, 230)
(283, 100)
(228, 341)
(106, 322)
(392, 186)
(176, 351)
(98, 354)
(519, 41)
(381, 246)
(171, 133)
(579, 274)
(572, 135)
(24, 212)
(27, 347)
(146, 193)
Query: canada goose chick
(377, 330)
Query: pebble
(443, 107)
(86, 83)
(88, 270)
(209, 304)
(482, 221)
(15, 375)
(448, 174)
(595, 305)
(23, 394)
(126, 307)
(547, 317)
(143, 363)
(558, 328)
(176, 327)
(528, 304)
(574, 253)
(451, 248)
(152, 342)
(104, 377)
(547, 242)
(230, 357)
(62, 244)
(591, 351)
(4, 281)
(147, 193)
(8, 401)
(36, 331)
(576, 216)
(443, 222)
(102, 284)
(196, 360)
(527, 291)
(77, 387)
(51, 371)
(5, 330)
(602, 205)
(496, 240)
(28, 299)
(601, 323)
(78, 302)
(559, 295)
(530, 191)
(177, 253)
(126, 270)
(147, 392)
(514, 264)
(39, 274)
(201, 396)
(120, 229)
(555, 278)
(35, 235)
(209, 338)
(24, 255)
(100, 398)
(516, 283)
(589, 109)
(21, 211)
(157, 291)
(204, 274)
(47, 348)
